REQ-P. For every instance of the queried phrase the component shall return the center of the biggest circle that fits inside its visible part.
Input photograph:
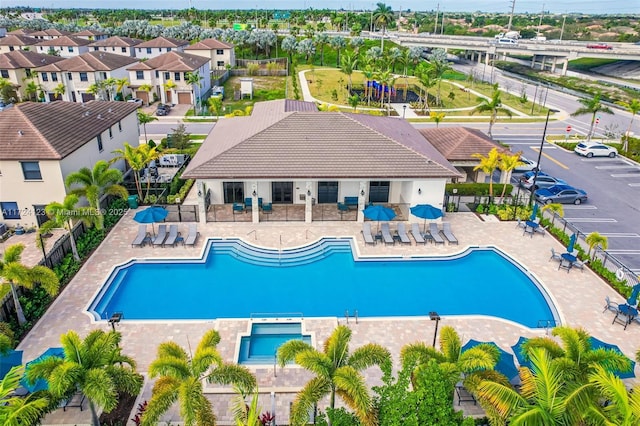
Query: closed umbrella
(523, 360)
(426, 211)
(8, 361)
(379, 213)
(599, 344)
(40, 384)
(633, 299)
(572, 242)
(506, 365)
(534, 213)
(151, 215)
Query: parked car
(594, 149)
(4, 106)
(217, 91)
(136, 101)
(163, 109)
(543, 181)
(604, 46)
(526, 166)
(563, 194)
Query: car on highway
(163, 109)
(603, 46)
(543, 181)
(526, 166)
(563, 194)
(594, 149)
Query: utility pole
(513, 6)
(435, 28)
(540, 22)
(564, 19)
(442, 26)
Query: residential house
(117, 45)
(42, 143)
(220, 54)
(158, 46)
(21, 31)
(49, 34)
(80, 74)
(287, 153)
(64, 46)
(92, 35)
(17, 42)
(18, 67)
(170, 69)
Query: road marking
(621, 235)
(624, 166)
(626, 174)
(634, 184)
(591, 219)
(537, 147)
(599, 160)
(623, 251)
(550, 158)
(580, 207)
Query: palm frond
(418, 353)
(450, 343)
(369, 355)
(165, 394)
(310, 394)
(170, 366)
(316, 362)
(99, 388)
(351, 387)
(336, 347)
(171, 350)
(204, 358)
(227, 374)
(287, 351)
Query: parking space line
(627, 174)
(600, 160)
(592, 219)
(623, 251)
(580, 207)
(634, 184)
(621, 235)
(550, 158)
(625, 166)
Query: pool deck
(578, 296)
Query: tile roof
(116, 41)
(42, 131)
(17, 40)
(164, 42)
(51, 32)
(172, 61)
(65, 41)
(274, 144)
(21, 31)
(458, 143)
(279, 106)
(208, 44)
(26, 59)
(88, 33)
(89, 62)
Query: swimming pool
(236, 280)
(264, 340)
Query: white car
(136, 101)
(526, 166)
(593, 149)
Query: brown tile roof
(26, 59)
(42, 131)
(65, 41)
(290, 145)
(88, 33)
(52, 32)
(90, 61)
(172, 61)
(282, 105)
(21, 31)
(208, 44)
(116, 41)
(458, 143)
(164, 42)
(17, 40)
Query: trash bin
(133, 201)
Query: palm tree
(146, 88)
(339, 43)
(624, 407)
(437, 117)
(488, 165)
(18, 275)
(31, 90)
(349, 64)
(121, 84)
(556, 208)
(193, 79)
(368, 73)
(59, 90)
(382, 17)
(144, 119)
(424, 72)
(507, 164)
(494, 106)
(591, 106)
(594, 239)
(138, 158)
(95, 183)
(439, 66)
(337, 372)
(180, 378)
(386, 80)
(354, 101)
(633, 107)
(63, 214)
(245, 414)
(94, 366)
(169, 86)
(17, 410)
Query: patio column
(362, 196)
(308, 204)
(202, 209)
(255, 208)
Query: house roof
(88, 33)
(459, 143)
(172, 61)
(116, 41)
(26, 59)
(208, 44)
(89, 62)
(51, 32)
(275, 144)
(164, 42)
(65, 41)
(41, 131)
(21, 31)
(17, 40)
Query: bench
(351, 202)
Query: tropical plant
(337, 372)
(59, 90)
(146, 88)
(354, 101)
(591, 106)
(94, 184)
(623, 408)
(321, 39)
(8, 92)
(289, 44)
(246, 414)
(493, 106)
(144, 119)
(437, 117)
(594, 239)
(307, 48)
(488, 165)
(16, 274)
(439, 66)
(31, 90)
(424, 73)
(137, 158)
(180, 376)
(121, 84)
(338, 43)
(507, 163)
(63, 214)
(94, 366)
(554, 207)
(215, 105)
(193, 79)
(633, 107)
(16, 410)
(169, 85)
(368, 73)
(382, 17)
(348, 66)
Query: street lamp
(434, 317)
(115, 319)
(544, 135)
(404, 111)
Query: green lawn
(585, 64)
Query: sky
(521, 6)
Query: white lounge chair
(402, 234)
(192, 236)
(417, 235)
(162, 235)
(141, 238)
(386, 234)
(435, 233)
(366, 234)
(172, 237)
(446, 231)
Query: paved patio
(579, 298)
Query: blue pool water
(265, 339)
(236, 280)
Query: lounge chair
(142, 237)
(446, 231)
(172, 237)
(541, 230)
(402, 234)
(555, 256)
(386, 234)
(520, 223)
(610, 306)
(162, 235)
(192, 236)
(366, 234)
(579, 264)
(417, 235)
(464, 395)
(435, 234)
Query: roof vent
(87, 113)
(20, 133)
(99, 116)
(110, 110)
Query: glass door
(282, 192)
(233, 192)
(327, 192)
(379, 192)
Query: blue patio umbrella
(8, 361)
(40, 384)
(633, 299)
(426, 211)
(534, 213)
(151, 215)
(572, 242)
(517, 350)
(379, 213)
(599, 344)
(506, 365)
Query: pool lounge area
(579, 299)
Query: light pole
(533, 101)
(544, 135)
(433, 316)
(404, 110)
(115, 319)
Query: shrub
(477, 189)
